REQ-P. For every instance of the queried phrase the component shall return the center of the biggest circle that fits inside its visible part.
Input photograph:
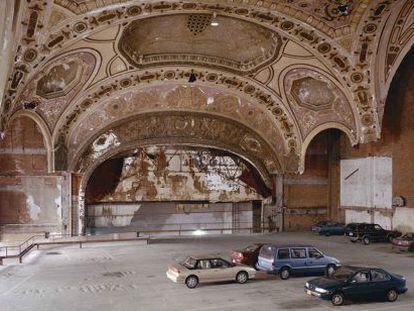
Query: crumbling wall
(31, 200)
(161, 174)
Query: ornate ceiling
(269, 78)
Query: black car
(357, 283)
(367, 233)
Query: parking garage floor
(131, 276)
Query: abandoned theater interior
(136, 133)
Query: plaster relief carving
(58, 82)
(316, 100)
(237, 44)
(178, 97)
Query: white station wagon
(202, 269)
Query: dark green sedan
(357, 283)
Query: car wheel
(366, 240)
(337, 299)
(284, 273)
(330, 270)
(327, 233)
(191, 281)
(242, 277)
(392, 295)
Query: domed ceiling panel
(235, 44)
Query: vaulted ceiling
(105, 76)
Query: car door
(203, 271)
(380, 283)
(298, 258)
(222, 270)
(358, 286)
(315, 262)
(282, 258)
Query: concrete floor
(131, 276)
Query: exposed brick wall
(397, 139)
(22, 150)
(306, 196)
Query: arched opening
(319, 182)
(174, 187)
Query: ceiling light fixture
(192, 78)
(214, 21)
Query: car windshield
(342, 273)
(252, 248)
(408, 236)
(189, 262)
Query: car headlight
(307, 284)
(321, 290)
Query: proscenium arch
(318, 130)
(44, 129)
(178, 97)
(78, 205)
(182, 128)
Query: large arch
(321, 128)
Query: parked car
(199, 269)
(404, 243)
(247, 256)
(357, 283)
(367, 233)
(328, 228)
(286, 260)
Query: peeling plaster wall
(157, 174)
(31, 200)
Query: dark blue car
(329, 228)
(285, 260)
(357, 283)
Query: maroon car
(404, 242)
(247, 256)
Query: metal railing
(18, 251)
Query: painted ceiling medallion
(235, 44)
(312, 94)
(59, 80)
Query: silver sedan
(199, 269)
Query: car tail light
(174, 269)
(238, 255)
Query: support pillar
(78, 205)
